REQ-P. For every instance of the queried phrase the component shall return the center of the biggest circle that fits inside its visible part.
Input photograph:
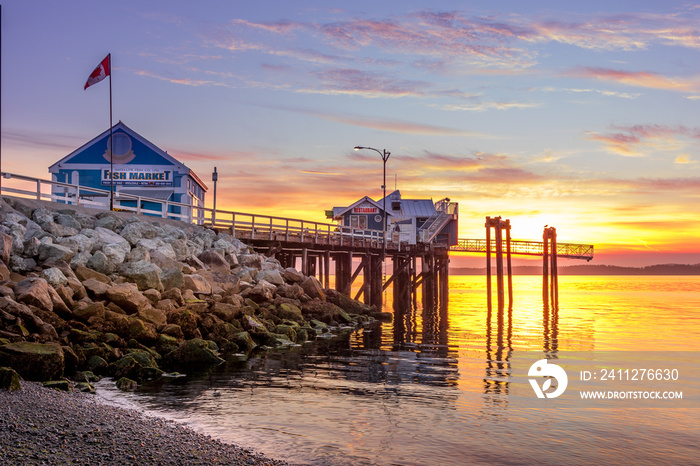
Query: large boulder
(34, 291)
(215, 261)
(271, 276)
(144, 274)
(54, 252)
(134, 231)
(101, 263)
(54, 277)
(83, 273)
(292, 275)
(33, 361)
(196, 351)
(9, 379)
(312, 287)
(197, 283)
(128, 297)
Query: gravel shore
(44, 426)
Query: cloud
(632, 141)
(357, 82)
(392, 125)
(637, 78)
(183, 81)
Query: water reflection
(498, 353)
(441, 386)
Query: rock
(271, 275)
(144, 274)
(91, 313)
(172, 278)
(197, 351)
(263, 291)
(137, 230)
(68, 221)
(155, 316)
(95, 289)
(175, 295)
(197, 284)
(57, 230)
(312, 287)
(43, 215)
(245, 342)
(173, 330)
(60, 385)
(34, 291)
(9, 379)
(33, 361)
(127, 385)
(54, 252)
(180, 248)
(292, 275)
(31, 247)
(187, 321)
(84, 273)
(153, 296)
(251, 260)
(289, 311)
(142, 332)
(108, 221)
(5, 247)
(78, 243)
(214, 261)
(128, 297)
(108, 237)
(115, 252)
(138, 254)
(54, 277)
(254, 327)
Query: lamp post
(385, 156)
(214, 178)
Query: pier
(325, 249)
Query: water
(450, 386)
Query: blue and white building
(408, 220)
(139, 168)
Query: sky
(579, 115)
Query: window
(358, 221)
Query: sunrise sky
(584, 116)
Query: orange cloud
(637, 78)
(630, 141)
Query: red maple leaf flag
(101, 72)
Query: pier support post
(550, 285)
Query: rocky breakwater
(88, 293)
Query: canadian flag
(101, 72)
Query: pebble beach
(41, 426)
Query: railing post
(286, 230)
(38, 190)
(164, 209)
(233, 224)
(302, 231)
(252, 227)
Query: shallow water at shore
(451, 387)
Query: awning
(153, 193)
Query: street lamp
(385, 156)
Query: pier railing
(527, 248)
(242, 225)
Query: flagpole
(111, 141)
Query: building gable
(130, 148)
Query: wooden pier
(324, 249)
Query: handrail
(527, 248)
(241, 224)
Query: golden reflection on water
(441, 386)
(594, 313)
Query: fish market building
(139, 169)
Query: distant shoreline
(587, 269)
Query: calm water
(450, 386)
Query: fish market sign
(365, 208)
(137, 177)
